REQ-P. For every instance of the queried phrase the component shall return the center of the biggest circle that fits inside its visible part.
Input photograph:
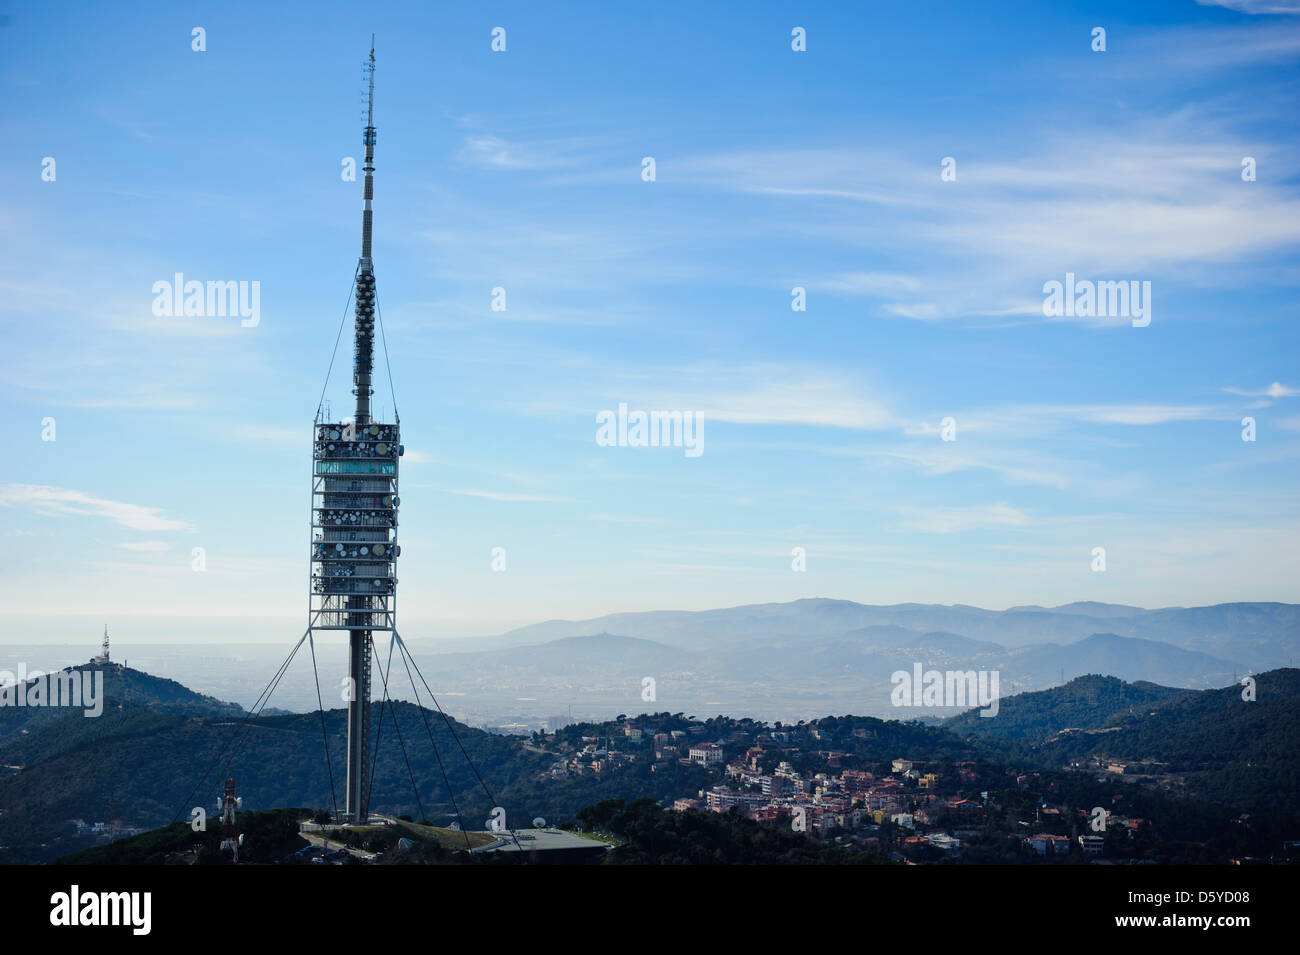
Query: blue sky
(774, 169)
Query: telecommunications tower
(354, 510)
(228, 803)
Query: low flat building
(546, 846)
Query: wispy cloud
(53, 501)
(624, 519)
(1141, 202)
(1256, 6)
(1275, 390)
(507, 496)
(268, 434)
(950, 520)
(1134, 414)
(806, 403)
(1020, 421)
(146, 546)
(869, 283)
(1014, 466)
(767, 393)
(489, 150)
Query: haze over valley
(783, 661)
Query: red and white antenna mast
(228, 804)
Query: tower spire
(360, 640)
(354, 513)
(364, 351)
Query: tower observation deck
(354, 546)
(352, 552)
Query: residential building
(706, 754)
(1092, 845)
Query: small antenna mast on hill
(103, 655)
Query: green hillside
(1211, 744)
(1086, 702)
(268, 837)
(1208, 744)
(650, 835)
(120, 685)
(141, 761)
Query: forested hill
(120, 685)
(1086, 702)
(147, 764)
(152, 761)
(1217, 745)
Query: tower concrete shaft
(359, 641)
(354, 545)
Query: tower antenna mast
(364, 353)
(354, 508)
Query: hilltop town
(830, 780)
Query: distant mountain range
(1255, 635)
(800, 659)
